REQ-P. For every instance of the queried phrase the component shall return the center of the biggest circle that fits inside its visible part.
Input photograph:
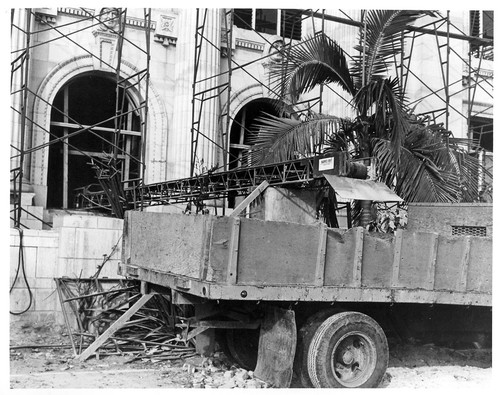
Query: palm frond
(469, 169)
(381, 43)
(317, 60)
(383, 98)
(281, 139)
(418, 178)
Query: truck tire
(242, 346)
(348, 349)
(304, 337)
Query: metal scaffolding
(118, 194)
(106, 165)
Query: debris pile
(95, 304)
(214, 373)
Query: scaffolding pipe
(147, 17)
(24, 101)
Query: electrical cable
(20, 265)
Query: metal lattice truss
(218, 185)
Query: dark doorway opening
(85, 101)
(245, 125)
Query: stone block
(44, 283)
(29, 257)
(31, 223)
(95, 243)
(46, 300)
(35, 212)
(48, 239)
(27, 198)
(36, 238)
(88, 266)
(67, 237)
(14, 237)
(76, 268)
(14, 256)
(109, 223)
(46, 265)
(21, 282)
(110, 269)
(75, 221)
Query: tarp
(352, 188)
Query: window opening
(481, 24)
(285, 22)
(86, 101)
(243, 127)
(266, 20)
(482, 132)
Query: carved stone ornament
(46, 15)
(108, 18)
(106, 39)
(276, 51)
(166, 30)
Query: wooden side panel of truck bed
(225, 258)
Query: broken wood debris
(106, 317)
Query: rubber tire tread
(246, 358)
(304, 337)
(318, 360)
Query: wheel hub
(348, 357)
(353, 359)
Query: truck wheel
(304, 337)
(243, 347)
(348, 349)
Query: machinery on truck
(313, 303)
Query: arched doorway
(87, 100)
(244, 125)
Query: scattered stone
(189, 368)
(230, 384)
(242, 375)
(240, 383)
(252, 384)
(229, 374)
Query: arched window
(244, 125)
(85, 101)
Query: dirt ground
(412, 366)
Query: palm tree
(419, 160)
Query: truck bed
(230, 258)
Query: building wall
(56, 59)
(74, 249)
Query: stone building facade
(77, 50)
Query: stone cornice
(138, 23)
(247, 44)
(76, 11)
